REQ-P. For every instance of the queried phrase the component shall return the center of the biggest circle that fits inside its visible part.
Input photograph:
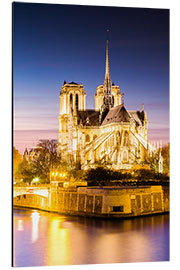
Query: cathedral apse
(109, 134)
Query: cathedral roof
(137, 116)
(73, 83)
(117, 114)
(88, 118)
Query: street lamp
(56, 176)
(35, 180)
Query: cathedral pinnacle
(107, 73)
(108, 100)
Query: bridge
(32, 196)
(41, 190)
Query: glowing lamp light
(35, 180)
(66, 184)
(56, 173)
(60, 174)
(53, 174)
(64, 174)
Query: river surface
(46, 239)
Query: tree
(41, 163)
(97, 176)
(143, 175)
(17, 159)
(103, 176)
(76, 174)
(47, 159)
(25, 171)
(154, 160)
(166, 159)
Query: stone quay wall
(100, 202)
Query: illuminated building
(33, 153)
(108, 134)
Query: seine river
(43, 239)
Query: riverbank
(104, 202)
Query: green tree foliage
(166, 158)
(76, 174)
(17, 159)
(25, 171)
(46, 160)
(98, 176)
(41, 163)
(154, 160)
(102, 176)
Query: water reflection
(57, 244)
(20, 225)
(49, 239)
(35, 221)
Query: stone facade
(108, 134)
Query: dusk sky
(53, 43)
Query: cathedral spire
(107, 73)
(108, 100)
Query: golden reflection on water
(58, 244)
(35, 222)
(51, 239)
(122, 247)
(20, 225)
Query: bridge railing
(31, 185)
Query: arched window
(118, 138)
(126, 138)
(125, 156)
(87, 138)
(71, 100)
(77, 102)
(94, 137)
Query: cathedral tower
(72, 95)
(72, 99)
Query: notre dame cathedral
(108, 134)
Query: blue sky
(53, 43)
